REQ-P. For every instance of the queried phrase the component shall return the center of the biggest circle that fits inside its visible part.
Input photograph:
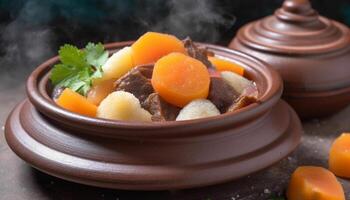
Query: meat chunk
(249, 96)
(137, 82)
(251, 90)
(199, 53)
(221, 94)
(145, 70)
(160, 109)
(242, 102)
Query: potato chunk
(124, 106)
(339, 156)
(117, 65)
(238, 82)
(199, 108)
(314, 183)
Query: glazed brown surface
(152, 156)
(310, 52)
(152, 164)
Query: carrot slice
(74, 102)
(339, 156)
(314, 183)
(225, 65)
(179, 79)
(151, 46)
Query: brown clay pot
(154, 156)
(311, 52)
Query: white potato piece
(238, 82)
(117, 65)
(196, 109)
(124, 106)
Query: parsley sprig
(78, 67)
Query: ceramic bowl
(154, 156)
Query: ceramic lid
(295, 28)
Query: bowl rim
(274, 87)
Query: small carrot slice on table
(314, 183)
(77, 103)
(151, 46)
(339, 156)
(179, 79)
(225, 65)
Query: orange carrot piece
(180, 79)
(339, 156)
(74, 102)
(225, 65)
(151, 46)
(314, 183)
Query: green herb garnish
(79, 67)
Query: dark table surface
(20, 181)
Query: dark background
(32, 30)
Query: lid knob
(297, 11)
(297, 6)
(295, 28)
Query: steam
(199, 19)
(40, 27)
(24, 46)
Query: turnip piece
(196, 109)
(239, 83)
